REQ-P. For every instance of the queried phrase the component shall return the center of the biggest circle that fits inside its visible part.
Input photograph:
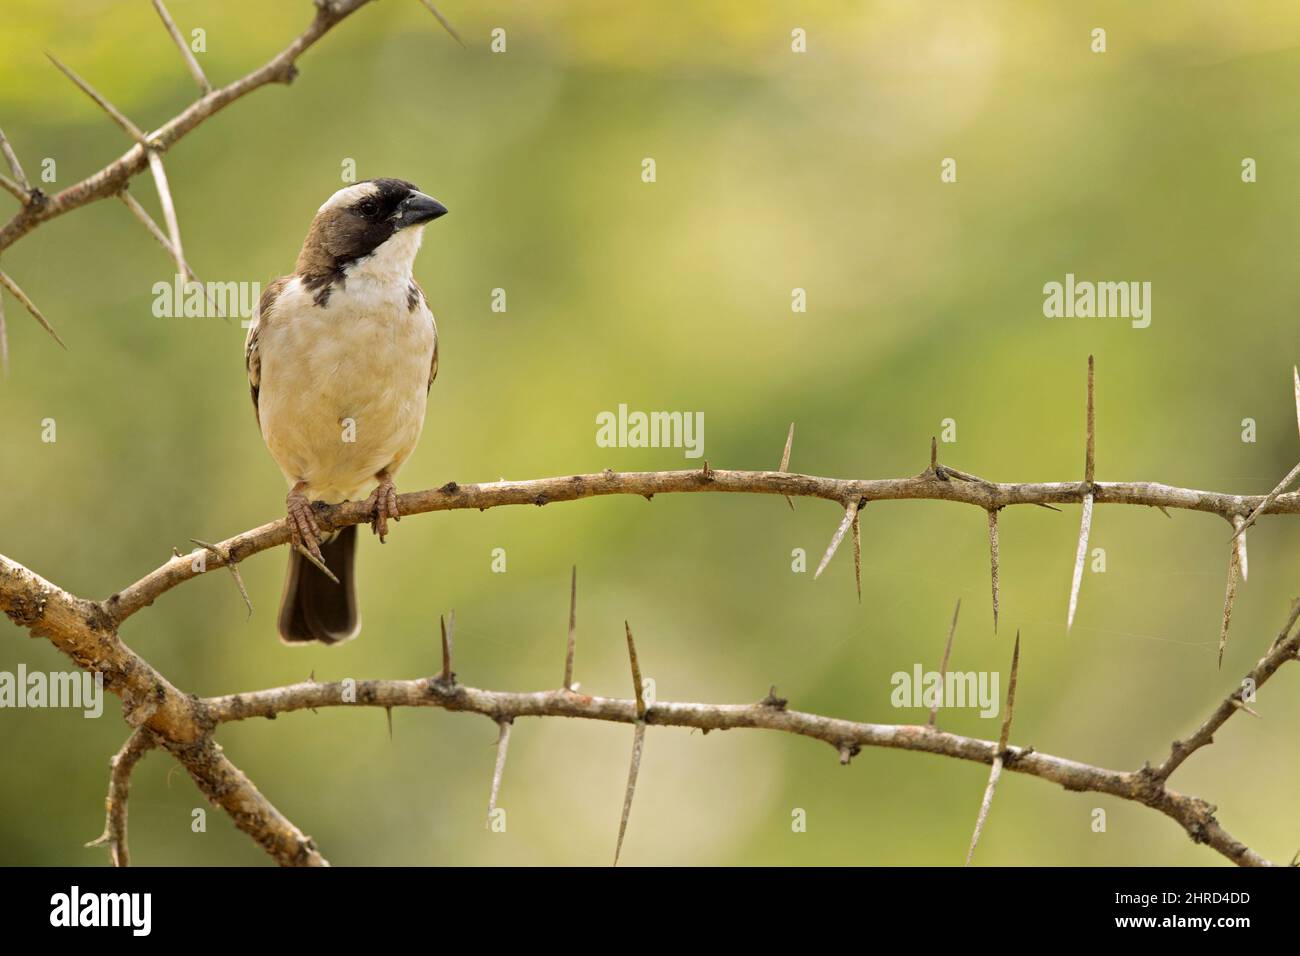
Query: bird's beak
(417, 209)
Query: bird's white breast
(344, 385)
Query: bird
(341, 356)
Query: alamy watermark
(624, 429)
(132, 911)
(960, 689)
(1103, 300)
(78, 690)
(187, 299)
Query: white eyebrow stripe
(348, 195)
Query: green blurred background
(775, 170)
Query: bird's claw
(382, 505)
(304, 533)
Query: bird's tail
(314, 608)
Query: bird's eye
(368, 208)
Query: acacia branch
(543, 491)
(1143, 786)
(86, 631)
(185, 725)
(178, 722)
(161, 715)
(119, 787)
(113, 179)
(937, 483)
(1285, 647)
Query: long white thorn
(503, 744)
(638, 746)
(187, 54)
(1234, 565)
(15, 167)
(1295, 375)
(850, 513)
(16, 291)
(1085, 527)
(168, 208)
(1240, 537)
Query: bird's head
(379, 221)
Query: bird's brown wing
(252, 357)
(414, 299)
(433, 366)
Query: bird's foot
(304, 533)
(382, 505)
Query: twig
(453, 496)
(119, 788)
(1143, 786)
(178, 722)
(86, 632)
(1285, 647)
(113, 178)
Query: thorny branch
(119, 787)
(148, 147)
(1146, 786)
(161, 716)
(176, 721)
(938, 482)
(184, 725)
(87, 632)
(543, 491)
